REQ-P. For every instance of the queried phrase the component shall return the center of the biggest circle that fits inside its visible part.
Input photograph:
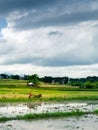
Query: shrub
(88, 85)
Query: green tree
(34, 78)
(88, 84)
(15, 77)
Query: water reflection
(87, 122)
(31, 106)
(21, 109)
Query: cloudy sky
(49, 37)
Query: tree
(88, 84)
(35, 79)
(15, 77)
(3, 76)
(47, 79)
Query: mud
(11, 110)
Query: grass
(47, 115)
(15, 95)
(18, 91)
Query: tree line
(88, 82)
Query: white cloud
(70, 71)
(70, 47)
(50, 42)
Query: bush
(89, 84)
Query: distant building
(30, 84)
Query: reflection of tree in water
(33, 105)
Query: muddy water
(87, 122)
(11, 110)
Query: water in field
(11, 110)
(87, 122)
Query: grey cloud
(62, 20)
(49, 12)
(53, 33)
(60, 59)
(17, 60)
(5, 48)
(75, 47)
(64, 60)
(49, 62)
(7, 6)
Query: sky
(49, 37)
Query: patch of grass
(18, 91)
(50, 115)
(3, 119)
(95, 112)
(47, 115)
(43, 116)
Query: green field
(18, 91)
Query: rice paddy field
(18, 91)
(49, 106)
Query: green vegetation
(15, 90)
(18, 91)
(47, 115)
(34, 79)
(87, 83)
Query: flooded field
(87, 122)
(11, 110)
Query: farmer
(30, 95)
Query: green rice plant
(46, 115)
(18, 91)
(95, 111)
